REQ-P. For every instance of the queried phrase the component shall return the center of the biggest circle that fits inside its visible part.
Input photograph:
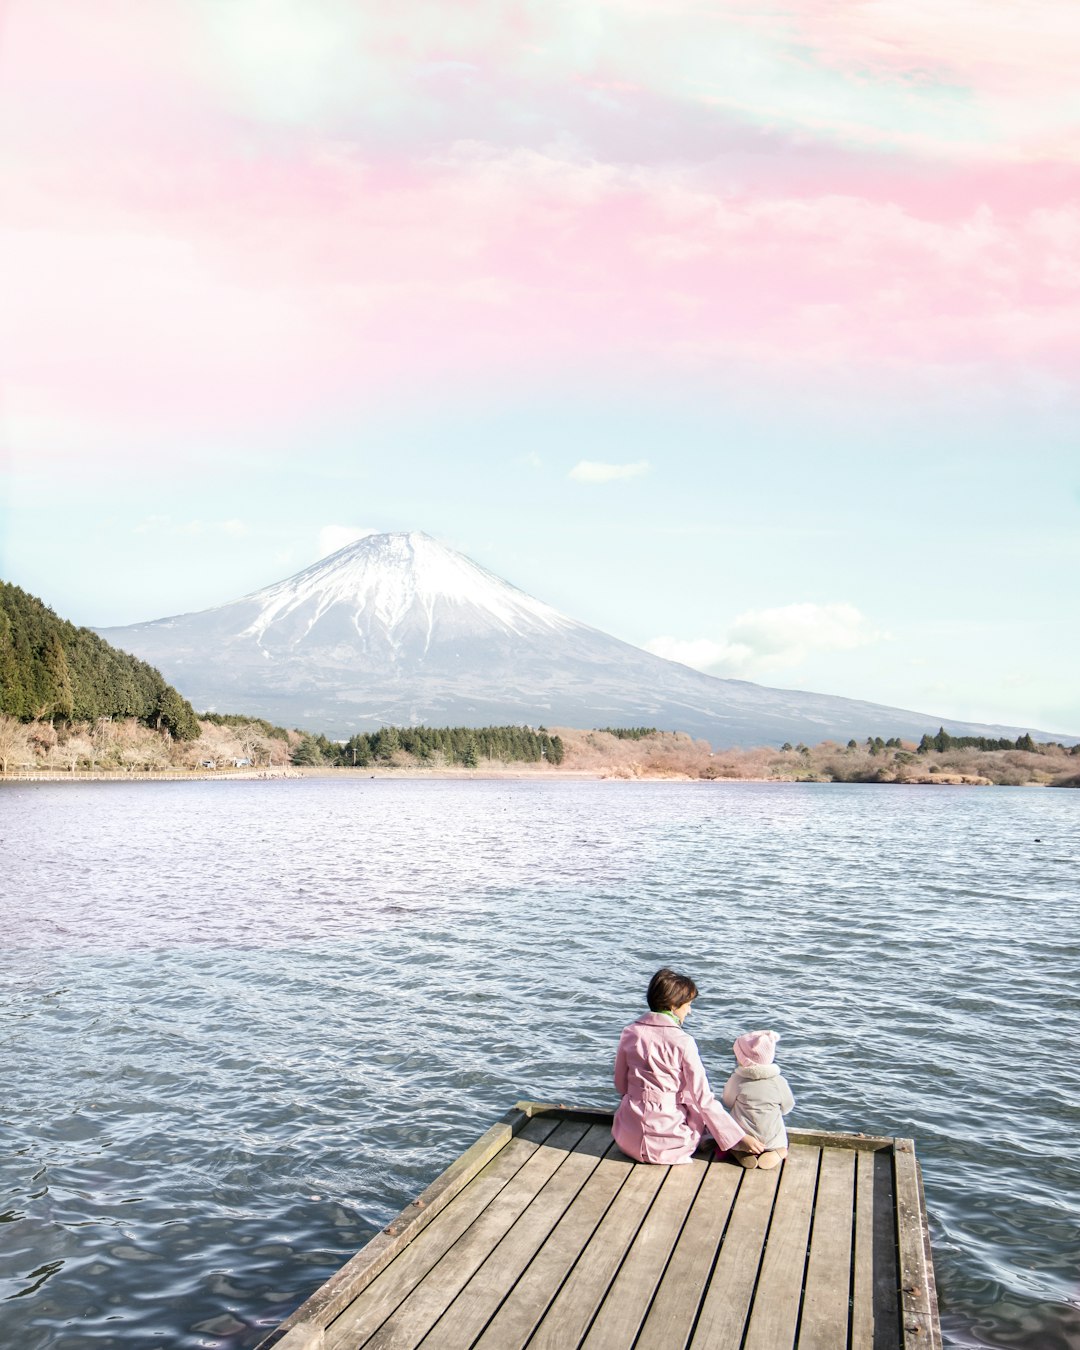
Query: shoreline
(402, 774)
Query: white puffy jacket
(759, 1098)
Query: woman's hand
(750, 1143)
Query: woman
(667, 1104)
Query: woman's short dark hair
(668, 990)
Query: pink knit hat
(756, 1047)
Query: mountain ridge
(399, 629)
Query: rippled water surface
(244, 1023)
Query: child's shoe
(768, 1159)
(748, 1159)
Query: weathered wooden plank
(835, 1139)
(774, 1315)
(727, 1300)
(568, 1317)
(425, 1304)
(593, 1115)
(874, 1314)
(628, 1298)
(330, 1298)
(917, 1320)
(526, 1304)
(931, 1278)
(674, 1308)
(827, 1297)
(480, 1295)
(469, 1233)
(300, 1336)
(862, 1263)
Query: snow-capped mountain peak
(395, 582)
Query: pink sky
(217, 225)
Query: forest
(445, 746)
(51, 671)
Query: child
(759, 1098)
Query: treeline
(874, 760)
(51, 671)
(465, 746)
(943, 741)
(628, 733)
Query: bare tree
(15, 751)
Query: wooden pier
(544, 1234)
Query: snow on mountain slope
(398, 584)
(397, 628)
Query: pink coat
(667, 1104)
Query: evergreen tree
(176, 716)
(387, 743)
(13, 699)
(308, 753)
(57, 696)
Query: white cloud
(702, 653)
(333, 537)
(772, 639)
(590, 471)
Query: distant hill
(52, 671)
(397, 629)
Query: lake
(244, 1023)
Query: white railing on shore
(141, 775)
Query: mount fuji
(398, 629)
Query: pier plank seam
(549, 1237)
(527, 1304)
(774, 1319)
(724, 1311)
(823, 1322)
(365, 1326)
(572, 1311)
(630, 1295)
(479, 1297)
(673, 1313)
(880, 1236)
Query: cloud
(333, 537)
(771, 639)
(590, 471)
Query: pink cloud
(171, 260)
(277, 289)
